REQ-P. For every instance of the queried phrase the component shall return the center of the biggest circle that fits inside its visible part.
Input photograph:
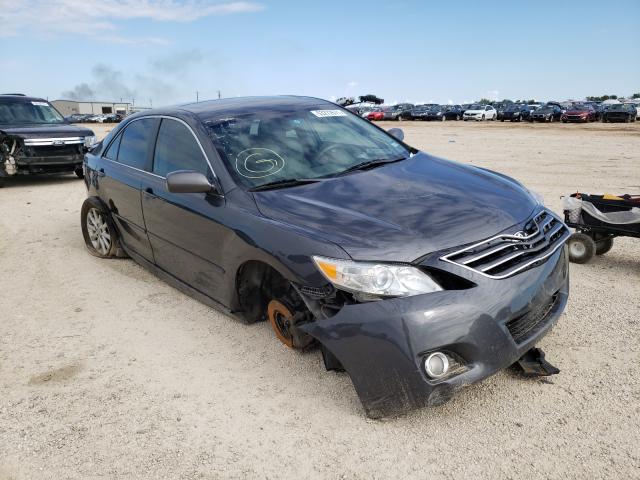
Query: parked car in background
(480, 112)
(514, 112)
(35, 138)
(415, 275)
(113, 118)
(401, 111)
(579, 113)
(624, 112)
(376, 114)
(437, 112)
(77, 118)
(550, 112)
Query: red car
(375, 115)
(579, 113)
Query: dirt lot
(107, 372)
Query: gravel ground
(107, 372)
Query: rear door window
(177, 149)
(112, 151)
(136, 143)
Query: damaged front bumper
(382, 345)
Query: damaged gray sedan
(416, 275)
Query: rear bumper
(382, 345)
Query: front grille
(53, 151)
(505, 255)
(526, 326)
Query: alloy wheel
(98, 230)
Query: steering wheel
(327, 149)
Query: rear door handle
(149, 190)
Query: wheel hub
(577, 249)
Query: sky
(159, 52)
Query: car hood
(474, 111)
(45, 130)
(544, 110)
(404, 210)
(577, 112)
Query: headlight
(89, 141)
(385, 280)
(439, 113)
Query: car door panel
(184, 234)
(121, 189)
(185, 229)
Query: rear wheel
(604, 245)
(582, 248)
(482, 117)
(99, 234)
(79, 172)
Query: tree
(484, 101)
(635, 95)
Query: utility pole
(197, 96)
(150, 103)
(218, 94)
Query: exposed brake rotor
(281, 318)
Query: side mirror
(396, 132)
(188, 181)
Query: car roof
(22, 98)
(205, 108)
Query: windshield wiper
(370, 164)
(284, 183)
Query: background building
(69, 107)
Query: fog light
(436, 365)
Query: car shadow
(37, 180)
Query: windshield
(476, 107)
(512, 108)
(306, 142)
(581, 108)
(28, 112)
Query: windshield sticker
(328, 113)
(40, 104)
(258, 163)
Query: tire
(444, 118)
(98, 230)
(458, 117)
(482, 119)
(79, 173)
(604, 245)
(551, 119)
(604, 119)
(2, 182)
(582, 248)
(502, 120)
(399, 118)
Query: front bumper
(382, 345)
